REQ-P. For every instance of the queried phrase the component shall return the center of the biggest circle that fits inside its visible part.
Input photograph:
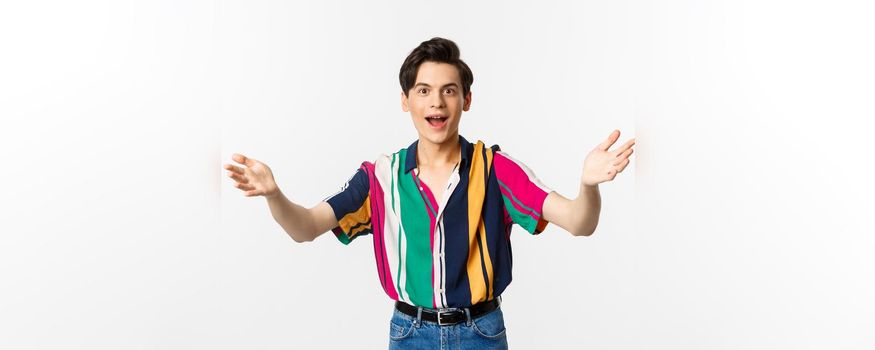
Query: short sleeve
(522, 192)
(351, 205)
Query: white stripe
(436, 266)
(443, 275)
(403, 234)
(532, 178)
(345, 185)
(384, 171)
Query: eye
(450, 91)
(421, 91)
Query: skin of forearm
(587, 207)
(294, 219)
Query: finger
(623, 156)
(233, 168)
(239, 158)
(623, 166)
(604, 146)
(251, 193)
(625, 147)
(245, 187)
(239, 178)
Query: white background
(744, 221)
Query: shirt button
(420, 188)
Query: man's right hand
(255, 179)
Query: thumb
(604, 146)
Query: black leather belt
(448, 316)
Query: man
(440, 211)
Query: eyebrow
(445, 85)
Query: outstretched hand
(602, 165)
(255, 179)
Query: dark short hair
(435, 50)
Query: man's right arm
(300, 223)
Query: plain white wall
(743, 222)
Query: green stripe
(525, 220)
(344, 238)
(416, 223)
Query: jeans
(484, 332)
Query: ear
(467, 104)
(404, 106)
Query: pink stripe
(523, 188)
(517, 206)
(378, 218)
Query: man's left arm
(580, 216)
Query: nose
(437, 101)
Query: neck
(434, 154)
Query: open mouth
(437, 121)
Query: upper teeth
(435, 117)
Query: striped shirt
(441, 252)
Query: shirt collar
(411, 163)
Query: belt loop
(418, 317)
(468, 317)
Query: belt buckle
(439, 318)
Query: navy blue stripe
(497, 236)
(456, 240)
(352, 197)
(480, 242)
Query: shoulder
(493, 151)
(386, 163)
(505, 163)
(481, 145)
(385, 158)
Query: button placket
(454, 178)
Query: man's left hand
(602, 165)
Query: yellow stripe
(362, 215)
(476, 194)
(487, 261)
(359, 230)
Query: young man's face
(437, 92)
